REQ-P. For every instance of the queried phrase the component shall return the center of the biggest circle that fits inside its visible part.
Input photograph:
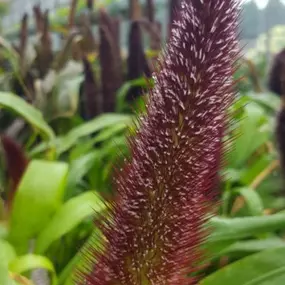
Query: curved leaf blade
(7, 252)
(64, 143)
(26, 111)
(39, 195)
(252, 199)
(71, 214)
(237, 228)
(264, 268)
(30, 262)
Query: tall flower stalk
(166, 189)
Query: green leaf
(82, 260)
(78, 170)
(64, 143)
(252, 199)
(238, 228)
(241, 248)
(253, 246)
(123, 92)
(39, 195)
(7, 252)
(110, 132)
(4, 274)
(30, 262)
(249, 135)
(95, 125)
(26, 111)
(71, 214)
(268, 100)
(264, 268)
(249, 173)
(3, 231)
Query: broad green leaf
(95, 125)
(26, 111)
(252, 199)
(237, 228)
(264, 268)
(64, 143)
(69, 216)
(231, 175)
(4, 274)
(7, 252)
(87, 145)
(29, 262)
(241, 248)
(39, 195)
(268, 100)
(249, 135)
(78, 169)
(110, 132)
(109, 152)
(252, 246)
(249, 173)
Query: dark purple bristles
(174, 7)
(166, 190)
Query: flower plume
(166, 189)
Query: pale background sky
(260, 3)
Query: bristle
(166, 189)
(174, 7)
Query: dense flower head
(166, 189)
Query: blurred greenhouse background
(14, 10)
(259, 18)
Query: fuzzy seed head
(165, 191)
